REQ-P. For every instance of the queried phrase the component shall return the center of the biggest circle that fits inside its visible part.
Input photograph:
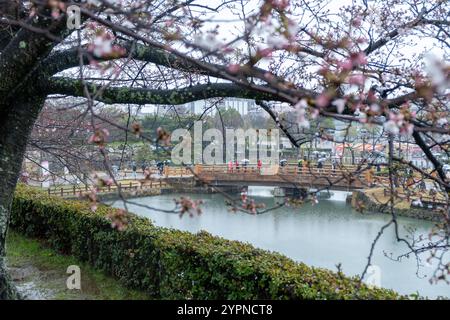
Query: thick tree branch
(111, 95)
(66, 59)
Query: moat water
(321, 235)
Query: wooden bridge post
(166, 171)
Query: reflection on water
(323, 235)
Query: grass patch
(40, 272)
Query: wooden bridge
(290, 176)
(346, 178)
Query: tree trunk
(16, 123)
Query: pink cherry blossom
(323, 100)
(357, 79)
(356, 22)
(345, 65)
(280, 4)
(359, 59)
(234, 68)
(267, 52)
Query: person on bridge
(236, 163)
(244, 164)
(160, 166)
(320, 164)
(134, 171)
(115, 169)
(333, 164)
(300, 165)
(230, 166)
(259, 164)
(306, 163)
(422, 184)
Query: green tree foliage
(229, 117)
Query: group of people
(116, 170)
(235, 166)
(305, 163)
(160, 165)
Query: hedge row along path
(172, 264)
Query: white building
(243, 106)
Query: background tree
(230, 118)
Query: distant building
(243, 106)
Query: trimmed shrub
(172, 264)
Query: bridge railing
(178, 171)
(288, 166)
(130, 186)
(292, 173)
(291, 169)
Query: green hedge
(171, 264)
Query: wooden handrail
(73, 190)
